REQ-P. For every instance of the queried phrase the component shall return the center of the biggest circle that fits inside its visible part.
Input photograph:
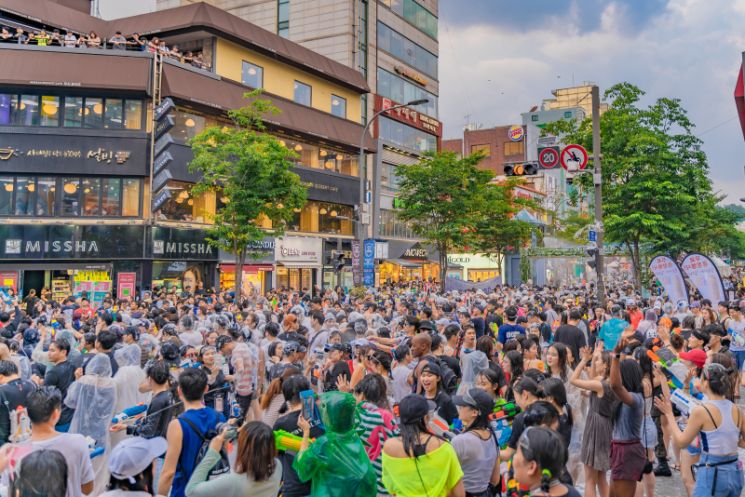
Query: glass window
(187, 125)
(25, 189)
(283, 18)
(133, 114)
(406, 136)
(415, 14)
(91, 196)
(485, 149)
(45, 188)
(184, 206)
(302, 93)
(114, 115)
(110, 196)
(6, 195)
(316, 157)
(70, 205)
(337, 219)
(406, 50)
(402, 91)
(49, 111)
(27, 112)
(74, 112)
(339, 106)
(5, 108)
(388, 178)
(93, 113)
(252, 75)
(131, 197)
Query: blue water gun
(129, 413)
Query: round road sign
(574, 157)
(548, 158)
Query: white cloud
(691, 51)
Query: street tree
(442, 198)
(656, 189)
(251, 172)
(497, 230)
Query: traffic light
(592, 252)
(520, 169)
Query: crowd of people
(70, 39)
(405, 391)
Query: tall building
(394, 44)
(573, 97)
(499, 145)
(96, 195)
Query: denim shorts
(739, 357)
(718, 481)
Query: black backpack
(449, 379)
(223, 465)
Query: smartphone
(308, 399)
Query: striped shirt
(374, 426)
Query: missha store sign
(299, 251)
(172, 243)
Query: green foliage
(497, 231)
(656, 188)
(443, 197)
(573, 228)
(252, 172)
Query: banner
(356, 263)
(667, 271)
(462, 286)
(368, 262)
(705, 276)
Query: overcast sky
(112, 9)
(498, 58)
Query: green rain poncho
(336, 462)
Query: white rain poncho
(128, 378)
(471, 365)
(93, 397)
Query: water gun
(129, 413)
(504, 409)
(286, 441)
(93, 450)
(736, 337)
(503, 432)
(439, 427)
(673, 381)
(683, 401)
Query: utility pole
(598, 182)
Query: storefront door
(33, 279)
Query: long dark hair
(517, 365)
(546, 448)
(561, 351)
(40, 473)
(410, 433)
(554, 388)
(631, 378)
(372, 387)
(645, 363)
(256, 451)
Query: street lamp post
(362, 226)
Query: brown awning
(77, 69)
(54, 14)
(223, 94)
(192, 17)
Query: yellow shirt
(433, 474)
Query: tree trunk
(240, 259)
(443, 250)
(633, 249)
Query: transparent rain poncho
(93, 397)
(337, 462)
(471, 365)
(127, 380)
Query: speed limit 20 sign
(548, 157)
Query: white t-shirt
(77, 454)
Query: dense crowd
(402, 391)
(134, 42)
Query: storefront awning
(298, 265)
(405, 263)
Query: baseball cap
(477, 399)
(702, 335)
(292, 347)
(433, 368)
(682, 304)
(414, 407)
(442, 322)
(695, 305)
(511, 313)
(426, 325)
(133, 455)
(696, 356)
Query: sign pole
(598, 182)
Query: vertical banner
(356, 263)
(667, 271)
(125, 285)
(368, 262)
(705, 276)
